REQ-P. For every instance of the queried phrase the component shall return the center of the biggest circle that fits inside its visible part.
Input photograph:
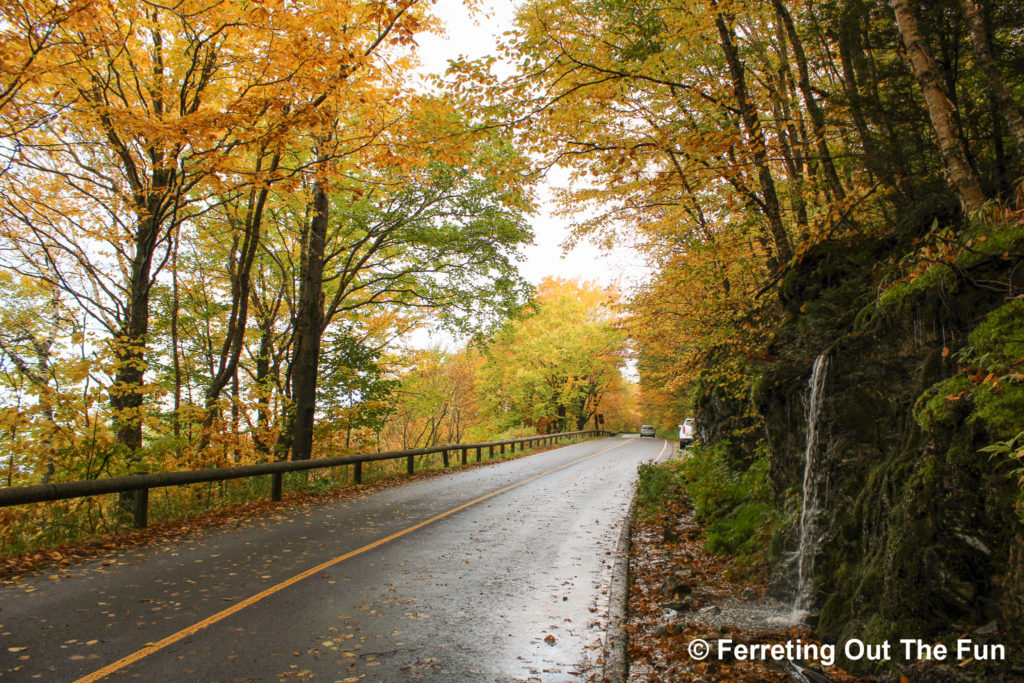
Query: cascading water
(809, 537)
(800, 562)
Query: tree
(356, 384)
(434, 402)
(981, 41)
(552, 367)
(156, 117)
(429, 238)
(959, 174)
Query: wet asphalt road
(509, 588)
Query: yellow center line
(253, 599)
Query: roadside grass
(735, 508)
(66, 531)
(659, 487)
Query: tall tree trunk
(235, 414)
(263, 388)
(941, 112)
(982, 44)
(758, 145)
(175, 341)
(151, 209)
(130, 346)
(308, 328)
(126, 395)
(817, 117)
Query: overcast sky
(477, 37)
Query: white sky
(477, 37)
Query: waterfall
(809, 537)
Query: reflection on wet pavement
(511, 588)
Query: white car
(687, 432)
(647, 430)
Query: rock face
(921, 531)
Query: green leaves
(440, 238)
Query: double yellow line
(253, 599)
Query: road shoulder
(679, 592)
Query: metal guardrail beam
(139, 484)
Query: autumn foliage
(217, 221)
(220, 223)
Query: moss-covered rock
(922, 531)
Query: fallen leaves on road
(71, 553)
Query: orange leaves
(979, 376)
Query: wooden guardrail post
(140, 508)
(140, 505)
(490, 452)
(410, 464)
(465, 455)
(478, 453)
(357, 472)
(276, 486)
(444, 458)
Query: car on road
(647, 430)
(687, 432)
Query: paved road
(493, 574)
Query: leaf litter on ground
(679, 571)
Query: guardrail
(139, 484)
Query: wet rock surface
(920, 531)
